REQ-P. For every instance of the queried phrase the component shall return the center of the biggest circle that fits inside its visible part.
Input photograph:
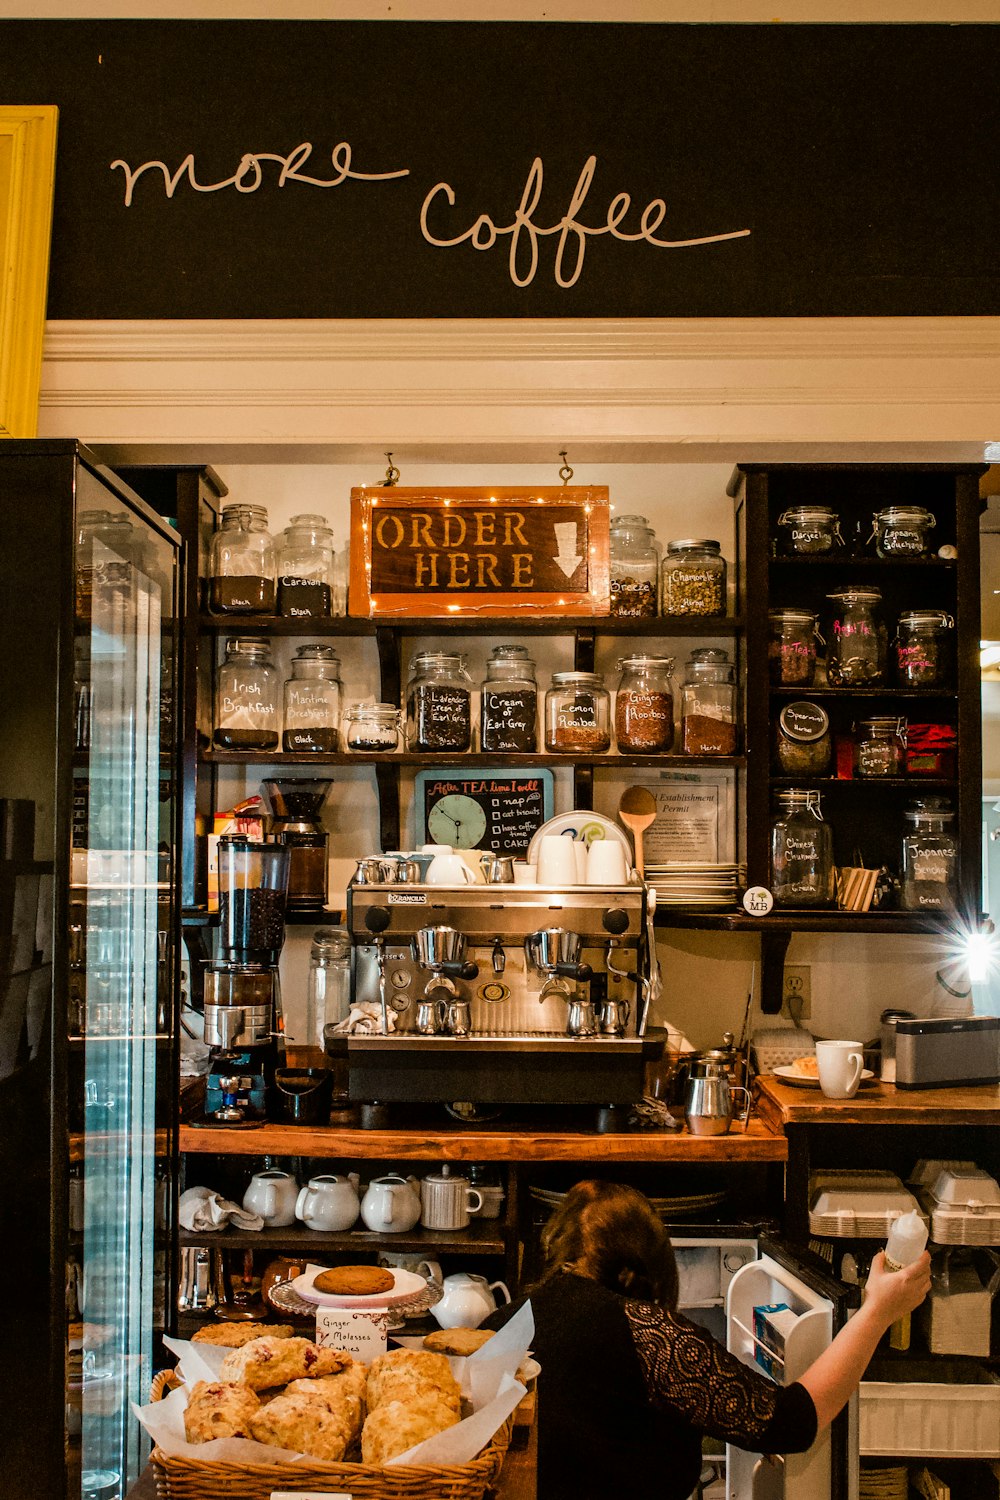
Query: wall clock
(499, 810)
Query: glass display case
(88, 1058)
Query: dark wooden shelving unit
(480, 1237)
(664, 625)
(857, 817)
(609, 762)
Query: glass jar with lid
(901, 531)
(312, 701)
(930, 857)
(246, 697)
(880, 746)
(241, 570)
(508, 709)
(694, 578)
(328, 991)
(801, 850)
(644, 705)
(634, 568)
(107, 551)
(856, 656)
(372, 727)
(438, 702)
(791, 651)
(803, 743)
(708, 703)
(811, 529)
(577, 714)
(922, 650)
(305, 569)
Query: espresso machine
(296, 804)
(501, 994)
(243, 1021)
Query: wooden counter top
(761, 1143)
(780, 1104)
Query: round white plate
(802, 1080)
(582, 824)
(407, 1284)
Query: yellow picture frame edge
(27, 182)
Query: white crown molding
(698, 385)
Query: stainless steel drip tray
(509, 1041)
(505, 1068)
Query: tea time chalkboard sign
(498, 810)
(481, 552)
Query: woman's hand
(893, 1294)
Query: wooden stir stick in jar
(637, 810)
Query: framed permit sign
(504, 553)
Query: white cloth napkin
(201, 1208)
(364, 1017)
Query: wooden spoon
(637, 810)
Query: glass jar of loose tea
(108, 551)
(694, 578)
(856, 656)
(791, 651)
(305, 569)
(802, 743)
(241, 569)
(312, 701)
(901, 531)
(708, 704)
(439, 702)
(373, 727)
(634, 568)
(577, 714)
(880, 746)
(922, 649)
(246, 697)
(930, 857)
(801, 851)
(811, 529)
(508, 713)
(644, 705)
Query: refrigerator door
(817, 1305)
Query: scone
(354, 1281)
(235, 1335)
(219, 1409)
(304, 1424)
(808, 1065)
(393, 1428)
(268, 1361)
(405, 1373)
(457, 1341)
(344, 1394)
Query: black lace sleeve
(688, 1372)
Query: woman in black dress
(629, 1386)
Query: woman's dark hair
(609, 1232)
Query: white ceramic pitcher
(330, 1203)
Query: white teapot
(272, 1195)
(329, 1203)
(392, 1204)
(466, 1299)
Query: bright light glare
(978, 948)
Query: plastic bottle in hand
(906, 1242)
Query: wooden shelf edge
(481, 1237)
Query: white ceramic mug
(606, 863)
(556, 860)
(840, 1066)
(448, 868)
(272, 1194)
(524, 872)
(413, 1261)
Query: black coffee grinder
(296, 804)
(243, 1020)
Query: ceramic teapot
(330, 1203)
(466, 1300)
(272, 1195)
(392, 1204)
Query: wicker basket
(197, 1479)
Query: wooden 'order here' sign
(481, 552)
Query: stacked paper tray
(857, 1205)
(963, 1202)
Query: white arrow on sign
(566, 554)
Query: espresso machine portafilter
(555, 952)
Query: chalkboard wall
(806, 170)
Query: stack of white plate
(705, 886)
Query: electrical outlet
(797, 993)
